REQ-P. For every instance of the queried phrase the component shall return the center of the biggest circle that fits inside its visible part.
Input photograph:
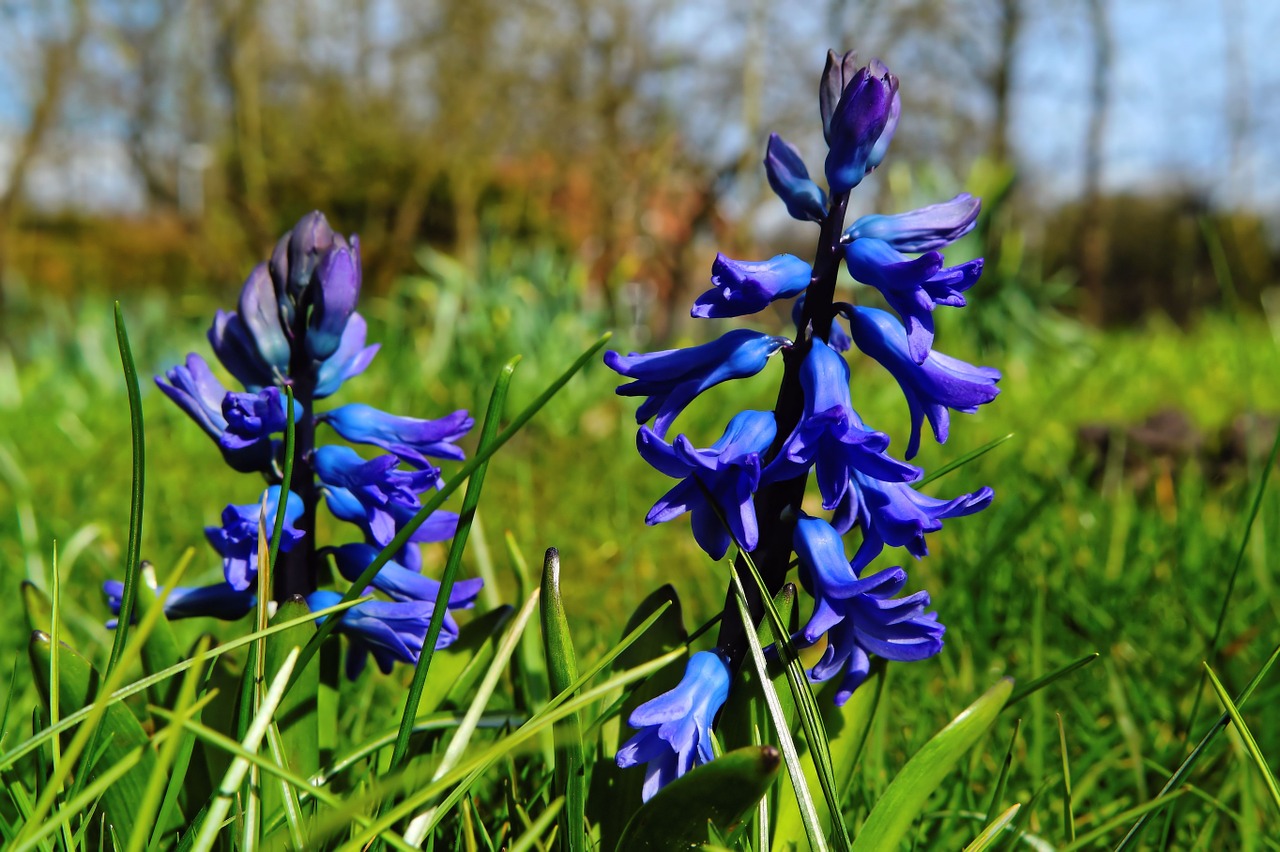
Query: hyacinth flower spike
(931, 388)
(715, 482)
(674, 378)
(675, 727)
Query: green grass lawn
(1077, 555)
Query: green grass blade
(481, 457)
(1002, 781)
(133, 548)
(1068, 812)
(296, 720)
(1250, 742)
(231, 782)
(1090, 839)
(34, 742)
(533, 835)
(284, 792)
(470, 500)
(907, 794)
(36, 831)
(1184, 770)
(562, 671)
(991, 833)
(1032, 687)
(961, 461)
(808, 811)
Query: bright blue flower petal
(219, 600)
(926, 229)
(789, 179)
(237, 539)
(409, 438)
(740, 287)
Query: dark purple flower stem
(296, 570)
(778, 505)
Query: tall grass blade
(562, 671)
(961, 461)
(1034, 686)
(470, 500)
(1250, 742)
(991, 833)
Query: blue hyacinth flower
(897, 515)
(673, 378)
(350, 359)
(789, 179)
(237, 539)
(675, 727)
(411, 439)
(741, 287)
(912, 287)
(392, 631)
(925, 229)
(398, 582)
(233, 343)
(831, 436)
(197, 391)
(219, 600)
(384, 493)
(932, 388)
(258, 312)
(860, 616)
(858, 121)
(252, 418)
(723, 477)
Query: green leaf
(720, 793)
(37, 608)
(160, 651)
(562, 670)
(906, 796)
(122, 733)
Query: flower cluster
(747, 488)
(296, 327)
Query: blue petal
(789, 179)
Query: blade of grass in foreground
(562, 671)
(470, 500)
(481, 457)
(1250, 742)
(963, 460)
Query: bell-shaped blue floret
(742, 287)
(675, 727)
(673, 378)
(912, 287)
(219, 600)
(336, 289)
(718, 481)
(931, 388)
(789, 179)
(925, 229)
(399, 582)
(831, 436)
(393, 631)
(237, 539)
(411, 439)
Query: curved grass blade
(480, 458)
(562, 671)
(533, 835)
(909, 791)
(133, 548)
(1090, 840)
(997, 795)
(722, 793)
(471, 499)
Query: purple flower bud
(891, 122)
(673, 378)
(259, 311)
(337, 284)
(350, 359)
(741, 287)
(219, 600)
(839, 71)
(859, 119)
(729, 472)
(790, 181)
(912, 287)
(933, 387)
(237, 539)
(297, 255)
(925, 229)
(675, 727)
(409, 438)
(233, 343)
